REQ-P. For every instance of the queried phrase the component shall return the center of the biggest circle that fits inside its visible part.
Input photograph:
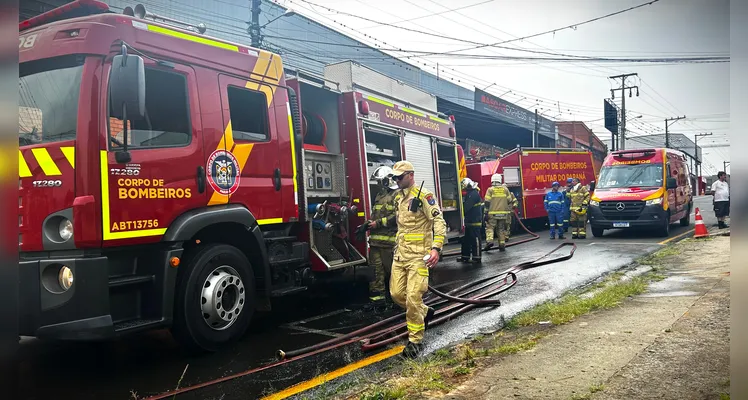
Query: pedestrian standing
(554, 206)
(473, 209)
(580, 199)
(567, 203)
(721, 193)
(421, 231)
(498, 206)
(382, 239)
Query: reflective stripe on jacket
(499, 201)
(554, 202)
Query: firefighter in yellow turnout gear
(421, 231)
(580, 199)
(498, 205)
(382, 239)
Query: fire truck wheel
(686, 221)
(597, 232)
(214, 299)
(665, 230)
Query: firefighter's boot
(412, 350)
(429, 316)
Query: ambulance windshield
(48, 93)
(631, 175)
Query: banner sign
(512, 113)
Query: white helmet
(467, 183)
(383, 177)
(496, 178)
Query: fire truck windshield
(630, 175)
(48, 94)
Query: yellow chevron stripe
(45, 161)
(23, 168)
(69, 153)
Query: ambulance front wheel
(214, 298)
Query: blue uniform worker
(567, 204)
(554, 206)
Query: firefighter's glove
(361, 231)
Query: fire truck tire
(597, 232)
(665, 229)
(215, 298)
(686, 221)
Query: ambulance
(642, 188)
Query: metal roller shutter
(419, 152)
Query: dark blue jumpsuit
(554, 206)
(567, 210)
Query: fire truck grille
(621, 210)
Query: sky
(567, 91)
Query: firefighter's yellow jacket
(580, 197)
(499, 202)
(417, 232)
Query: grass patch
(461, 370)
(724, 396)
(523, 344)
(597, 388)
(572, 305)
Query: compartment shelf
(381, 153)
(444, 162)
(448, 209)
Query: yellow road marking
(319, 380)
(45, 161)
(676, 237)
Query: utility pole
(667, 125)
(622, 139)
(254, 25)
(535, 133)
(698, 162)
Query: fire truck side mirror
(671, 183)
(127, 87)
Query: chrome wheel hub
(222, 297)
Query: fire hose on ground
(534, 236)
(461, 304)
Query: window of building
(248, 110)
(167, 120)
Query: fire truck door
(251, 150)
(140, 198)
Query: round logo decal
(223, 172)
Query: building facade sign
(512, 113)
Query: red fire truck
(529, 173)
(170, 179)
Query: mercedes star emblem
(620, 206)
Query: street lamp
(289, 12)
(255, 27)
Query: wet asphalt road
(151, 363)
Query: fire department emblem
(223, 172)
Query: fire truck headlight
(594, 203)
(66, 229)
(65, 278)
(653, 202)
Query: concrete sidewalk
(671, 342)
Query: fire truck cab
(170, 179)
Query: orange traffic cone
(700, 230)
